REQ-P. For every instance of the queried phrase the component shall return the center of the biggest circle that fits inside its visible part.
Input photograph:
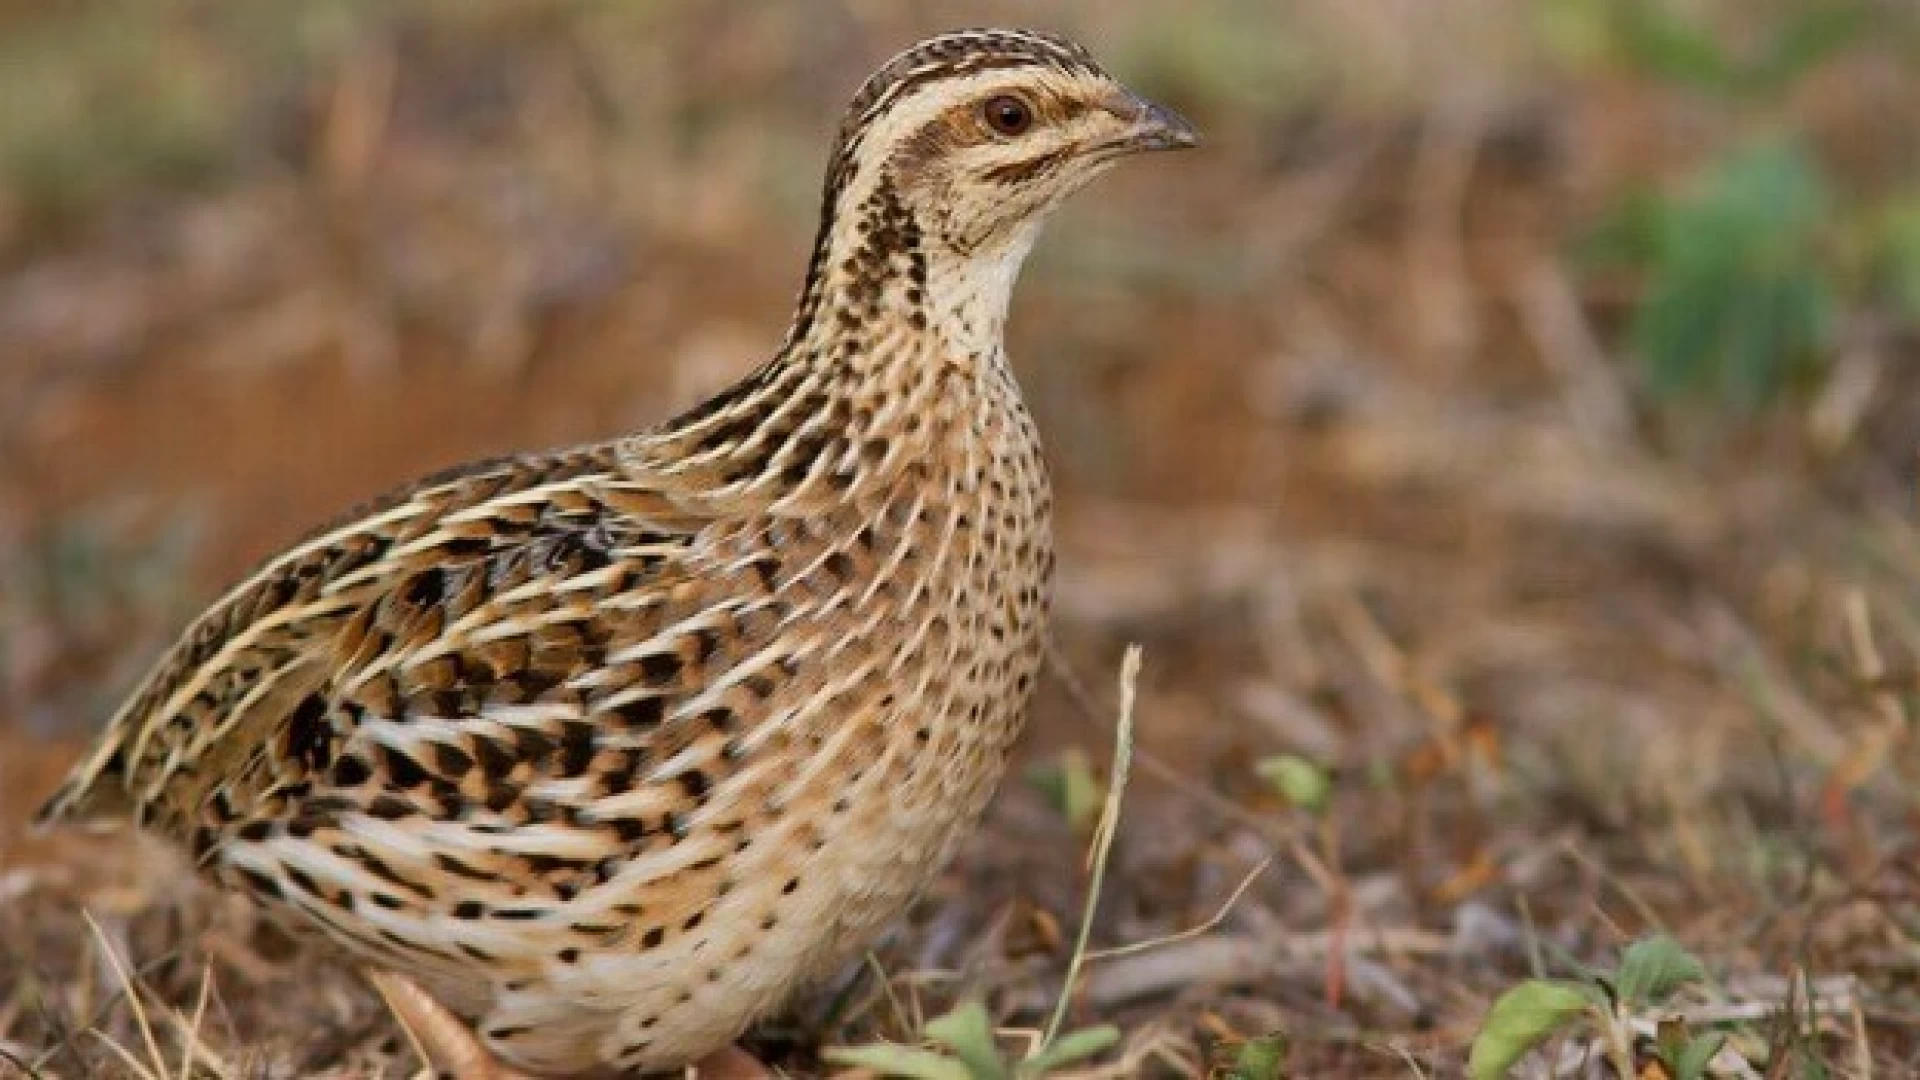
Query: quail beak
(1150, 126)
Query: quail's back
(609, 748)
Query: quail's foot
(446, 1041)
(452, 1049)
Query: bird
(592, 757)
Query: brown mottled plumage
(608, 748)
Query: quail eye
(1008, 115)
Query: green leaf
(1738, 300)
(900, 1061)
(1260, 1059)
(1299, 781)
(1670, 1039)
(1521, 1018)
(969, 1034)
(1803, 43)
(1579, 31)
(1653, 968)
(1896, 245)
(1655, 38)
(1071, 786)
(1692, 1060)
(1070, 1048)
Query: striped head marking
(978, 132)
(953, 153)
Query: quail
(591, 757)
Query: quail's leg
(452, 1049)
(449, 1044)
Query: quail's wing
(435, 653)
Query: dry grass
(1343, 438)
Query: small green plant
(1741, 269)
(969, 1051)
(1891, 242)
(1650, 972)
(1070, 786)
(1263, 1058)
(1300, 782)
(1739, 296)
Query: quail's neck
(895, 350)
(883, 290)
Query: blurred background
(1501, 438)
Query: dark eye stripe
(1018, 172)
